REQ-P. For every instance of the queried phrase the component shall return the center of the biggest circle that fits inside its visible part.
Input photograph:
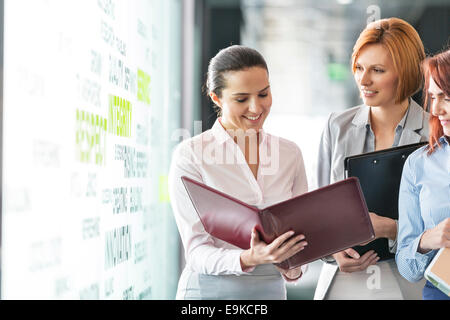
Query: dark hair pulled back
(233, 58)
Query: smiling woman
(437, 96)
(246, 100)
(386, 66)
(400, 46)
(424, 215)
(377, 78)
(238, 84)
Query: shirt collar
(362, 118)
(219, 132)
(403, 121)
(443, 140)
(221, 135)
(416, 116)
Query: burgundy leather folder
(332, 218)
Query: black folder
(379, 174)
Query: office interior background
(95, 95)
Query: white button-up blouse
(214, 159)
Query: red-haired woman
(386, 65)
(424, 200)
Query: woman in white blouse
(237, 157)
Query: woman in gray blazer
(386, 65)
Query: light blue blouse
(424, 201)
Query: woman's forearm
(390, 229)
(247, 260)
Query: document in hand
(332, 218)
(438, 272)
(379, 175)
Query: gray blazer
(344, 136)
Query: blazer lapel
(408, 137)
(357, 133)
(355, 143)
(413, 124)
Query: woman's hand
(350, 261)
(279, 250)
(436, 238)
(384, 227)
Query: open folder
(379, 174)
(332, 218)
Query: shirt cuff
(304, 268)
(422, 258)
(392, 245)
(248, 270)
(329, 259)
(239, 265)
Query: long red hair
(437, 67)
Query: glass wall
(91, 94)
